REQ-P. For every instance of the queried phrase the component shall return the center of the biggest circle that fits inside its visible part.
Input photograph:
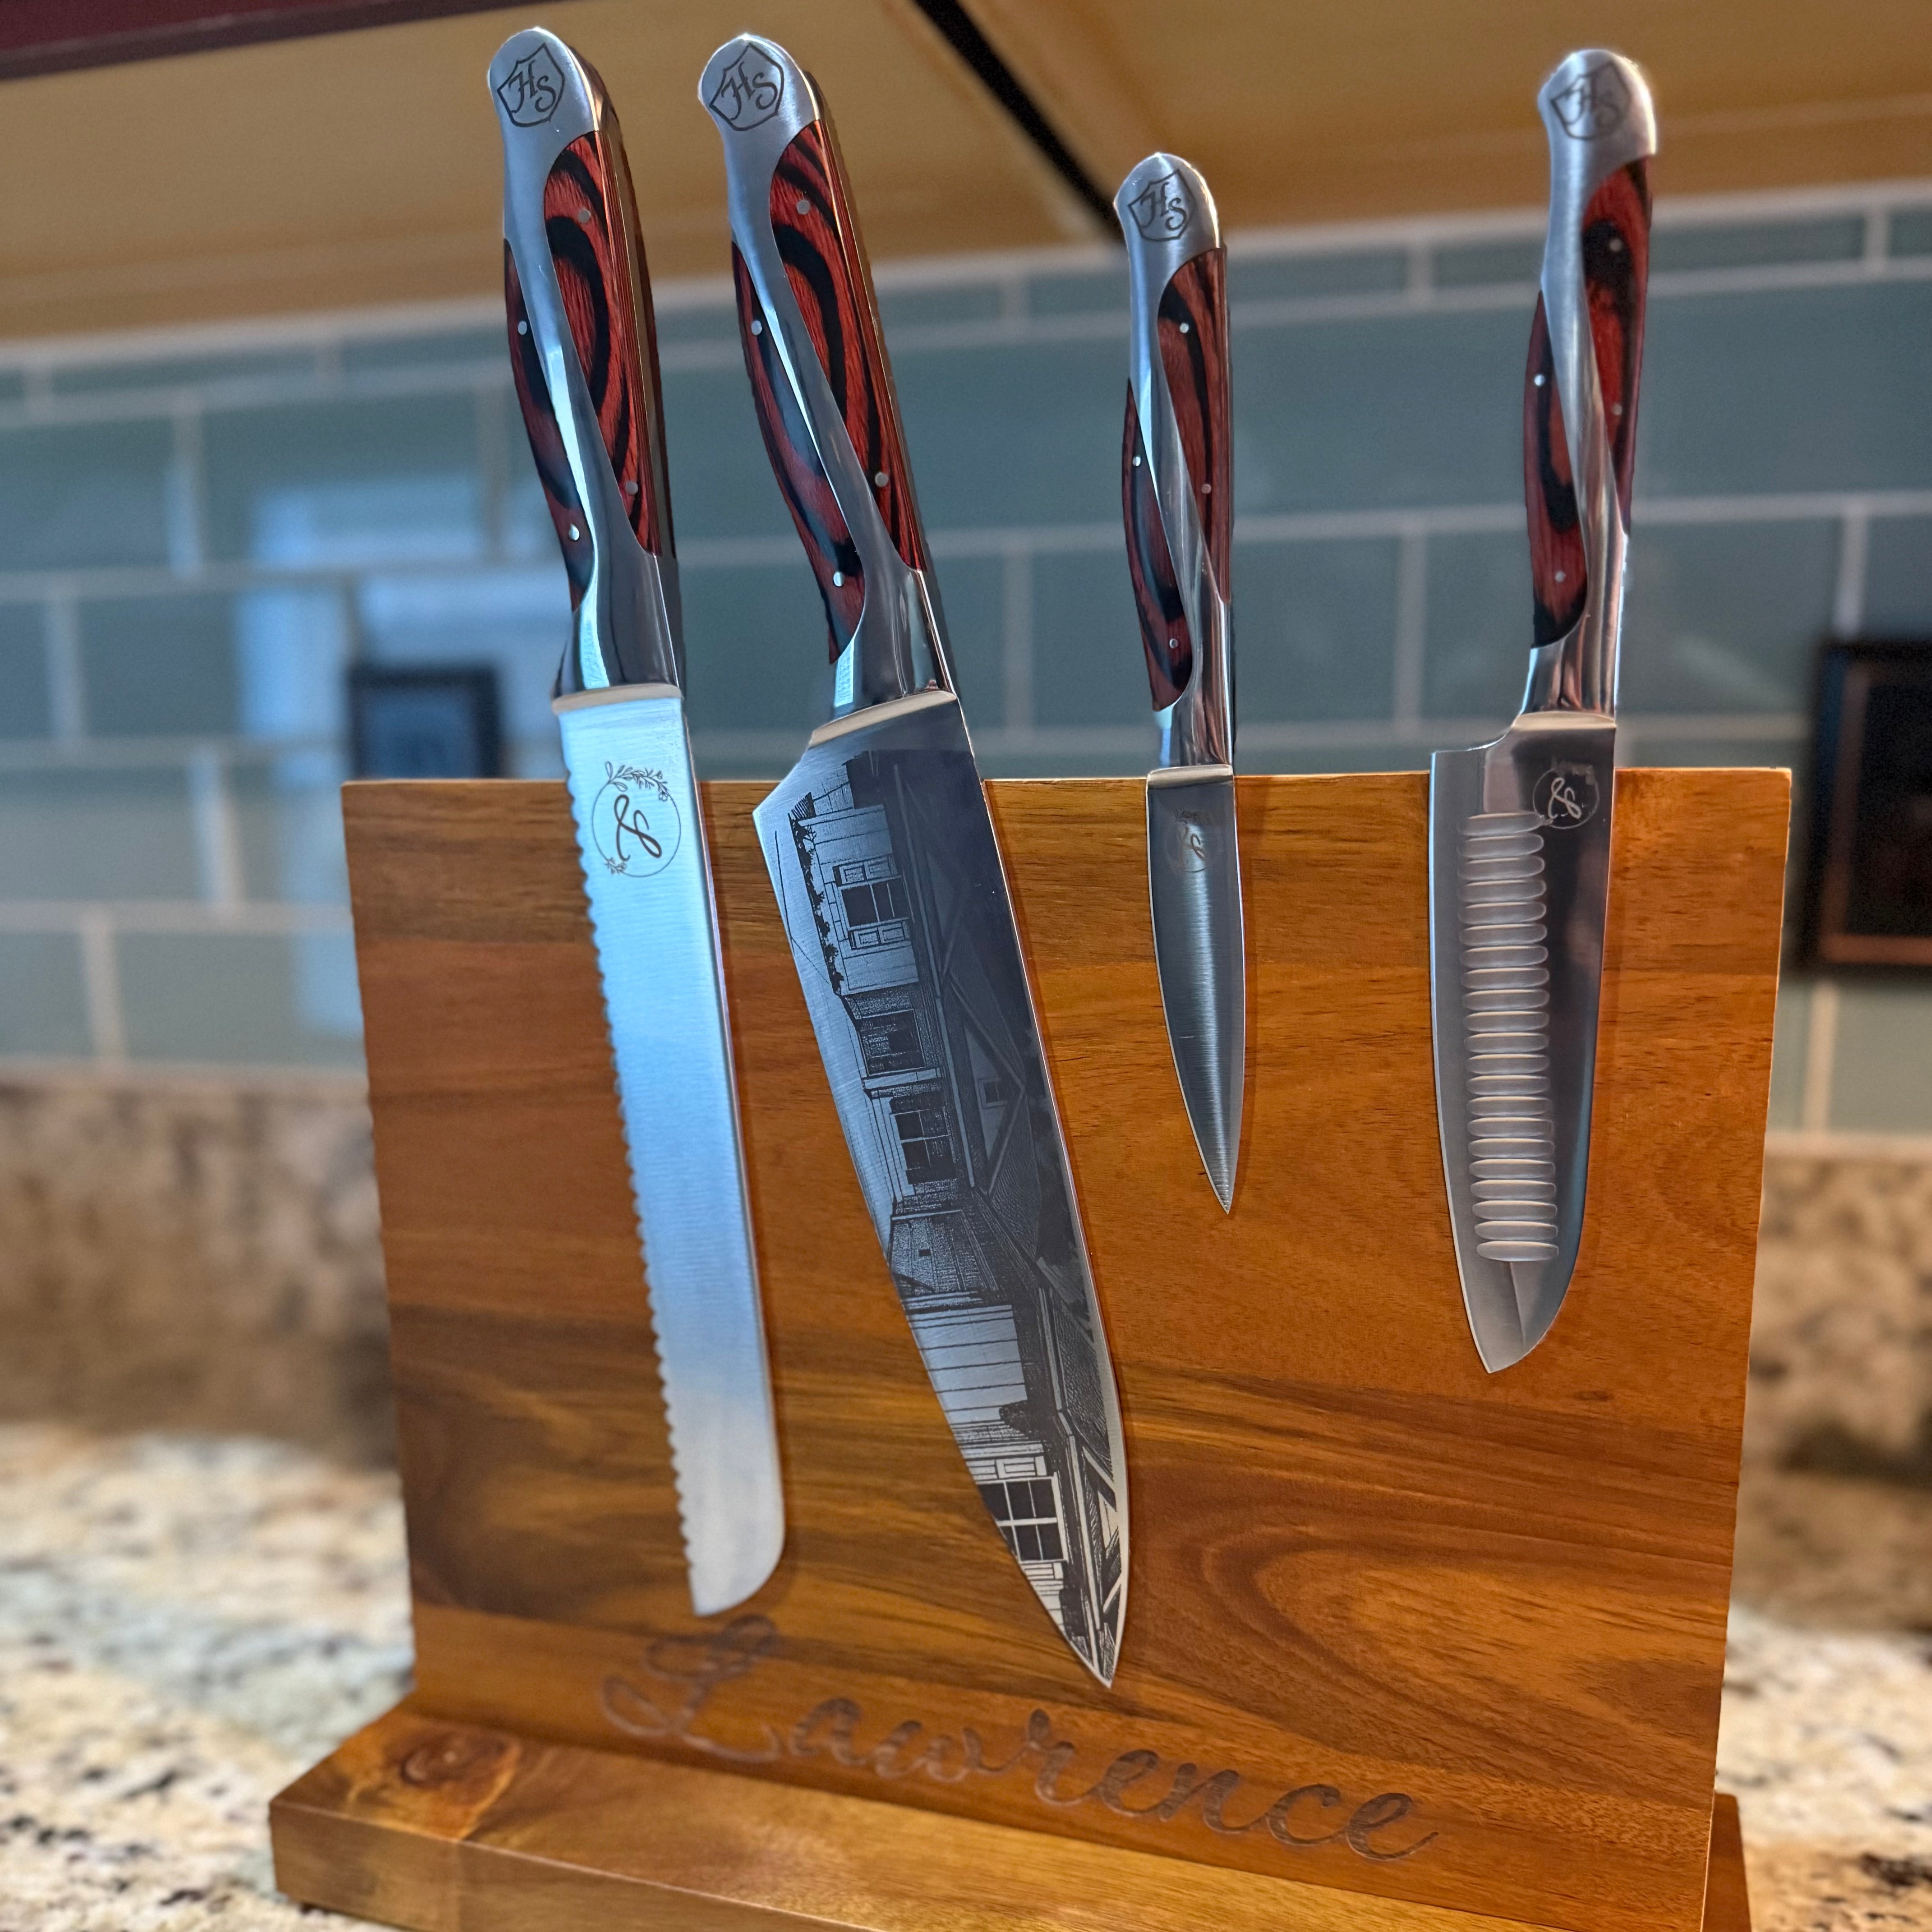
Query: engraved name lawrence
(685, 1672)
(634, 820)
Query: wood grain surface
(450, 1828)
(1395, 1624)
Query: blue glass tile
(517, 620)
(1739, 245)
(1464, 264)
(42, 997)
(12, 387)
(1477, 626)
(756, 650)
(289, 813)
(316, 485)
(292, 647)
(974, 593)
(1726, 616)
(433, 351)
(87, 493)
(1909, 232)
(1000, 436)
(1091, 292)
(240, 999)
(1018, 759)
(24, 711)
(1641, 744)
(158, 666)
(958, 302)
(1790, 1041)
(1367, 754)
(1882, 1063)
(96, 834)
(1273, 278)
(1314, 630)
(721, 480)
(1389, 412)
(1898, 578)
(1089, 667)
(93, 378)
(712, 323)
(1794, 389)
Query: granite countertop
(185, 1623)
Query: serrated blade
(641, 838)
(888, 877)
(1518, 881)
(1194, 878)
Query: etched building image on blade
(961, 1163)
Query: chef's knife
(1519, 830)
(583, 347)
(1177, 473)
(889, 881)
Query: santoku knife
(1519, 830)
(584, 351)
(889, 881)
(1176, 485)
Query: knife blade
(888, 875)
(583, 349)
(1519, 830)
(1177, 471)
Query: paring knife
(583, 347)
(1519, 830)
(889, 881)
(1177, 472)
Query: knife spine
(583, 349)
(1581, 388)
(1176, 465)
(830, 420)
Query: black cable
(963, 35)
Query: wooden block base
(419, 1823)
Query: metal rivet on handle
(583, 216)
(1184, 328)
(523, 329)
(1559, 577)
(575, 533)
(838, 578)
(1538, 378)
(803, 206)
(631, 487)
(880, 478)
(757, 327)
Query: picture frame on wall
(1867, 884)
(425, 721)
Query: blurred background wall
(204, 522)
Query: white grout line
(67, 693)
(1411, 612)
(324, 1082)
(218, 838)
(100, 982)
(261, 918)
(1848, 595)
(1821, 1046)
(1016, 639)
(183, 497)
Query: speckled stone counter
(185, 1623)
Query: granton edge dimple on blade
(1519, 830)
(888, 875)
(583, 349)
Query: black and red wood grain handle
(833, 431)
(1579, 434)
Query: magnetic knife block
(1408, 1645)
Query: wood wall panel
(1474, 1624)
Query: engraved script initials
(687, 1670)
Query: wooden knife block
(1403, 1638)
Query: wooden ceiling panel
(1333, 111)
(363, 168)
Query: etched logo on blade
(1593, 105)
(1194, 839)
(1565, 797)
(635, 823)
(531, 89)
(1162, 210)
(749, 92)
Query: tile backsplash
(198, 533)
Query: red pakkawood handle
(1191, 324)
(1616, 270)
(590, 224)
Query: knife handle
(584, 352)
(1580, 391)
(1177, 464)
(821, 384)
